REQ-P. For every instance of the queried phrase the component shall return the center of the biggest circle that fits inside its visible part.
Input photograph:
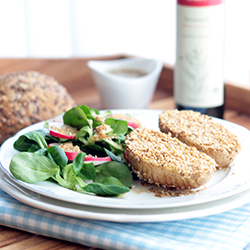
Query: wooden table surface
(82, 89)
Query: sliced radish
(133, 125)
(132, 122)
(125, 156)
(97, 160)
(61, 130)
(71, 153)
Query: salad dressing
(130, 73)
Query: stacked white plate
(227, 189)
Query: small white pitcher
(124, 90)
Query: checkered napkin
(228, 230)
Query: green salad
(84, 153)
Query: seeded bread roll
(29, 97)
(159, 159)
(200, 131)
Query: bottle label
(199, 71)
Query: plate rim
(57, 206)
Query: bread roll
(200, 131)
(29, 97)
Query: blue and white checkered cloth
(228, 230)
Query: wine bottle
(199, 68)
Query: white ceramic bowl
(121, 92)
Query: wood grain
(74, 74)
(14, 239)
(237, 98)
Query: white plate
(224, 183)
(121, 215)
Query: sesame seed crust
(159, 159)
(200, 131)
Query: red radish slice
(132, 122)
(61, 130)
(133, 125)
(69, 153)
(72, 154)
(125, 156)
(92, 158)
(97, 160)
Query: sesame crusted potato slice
(200, 131)
(159, 159)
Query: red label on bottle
(199, 3)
